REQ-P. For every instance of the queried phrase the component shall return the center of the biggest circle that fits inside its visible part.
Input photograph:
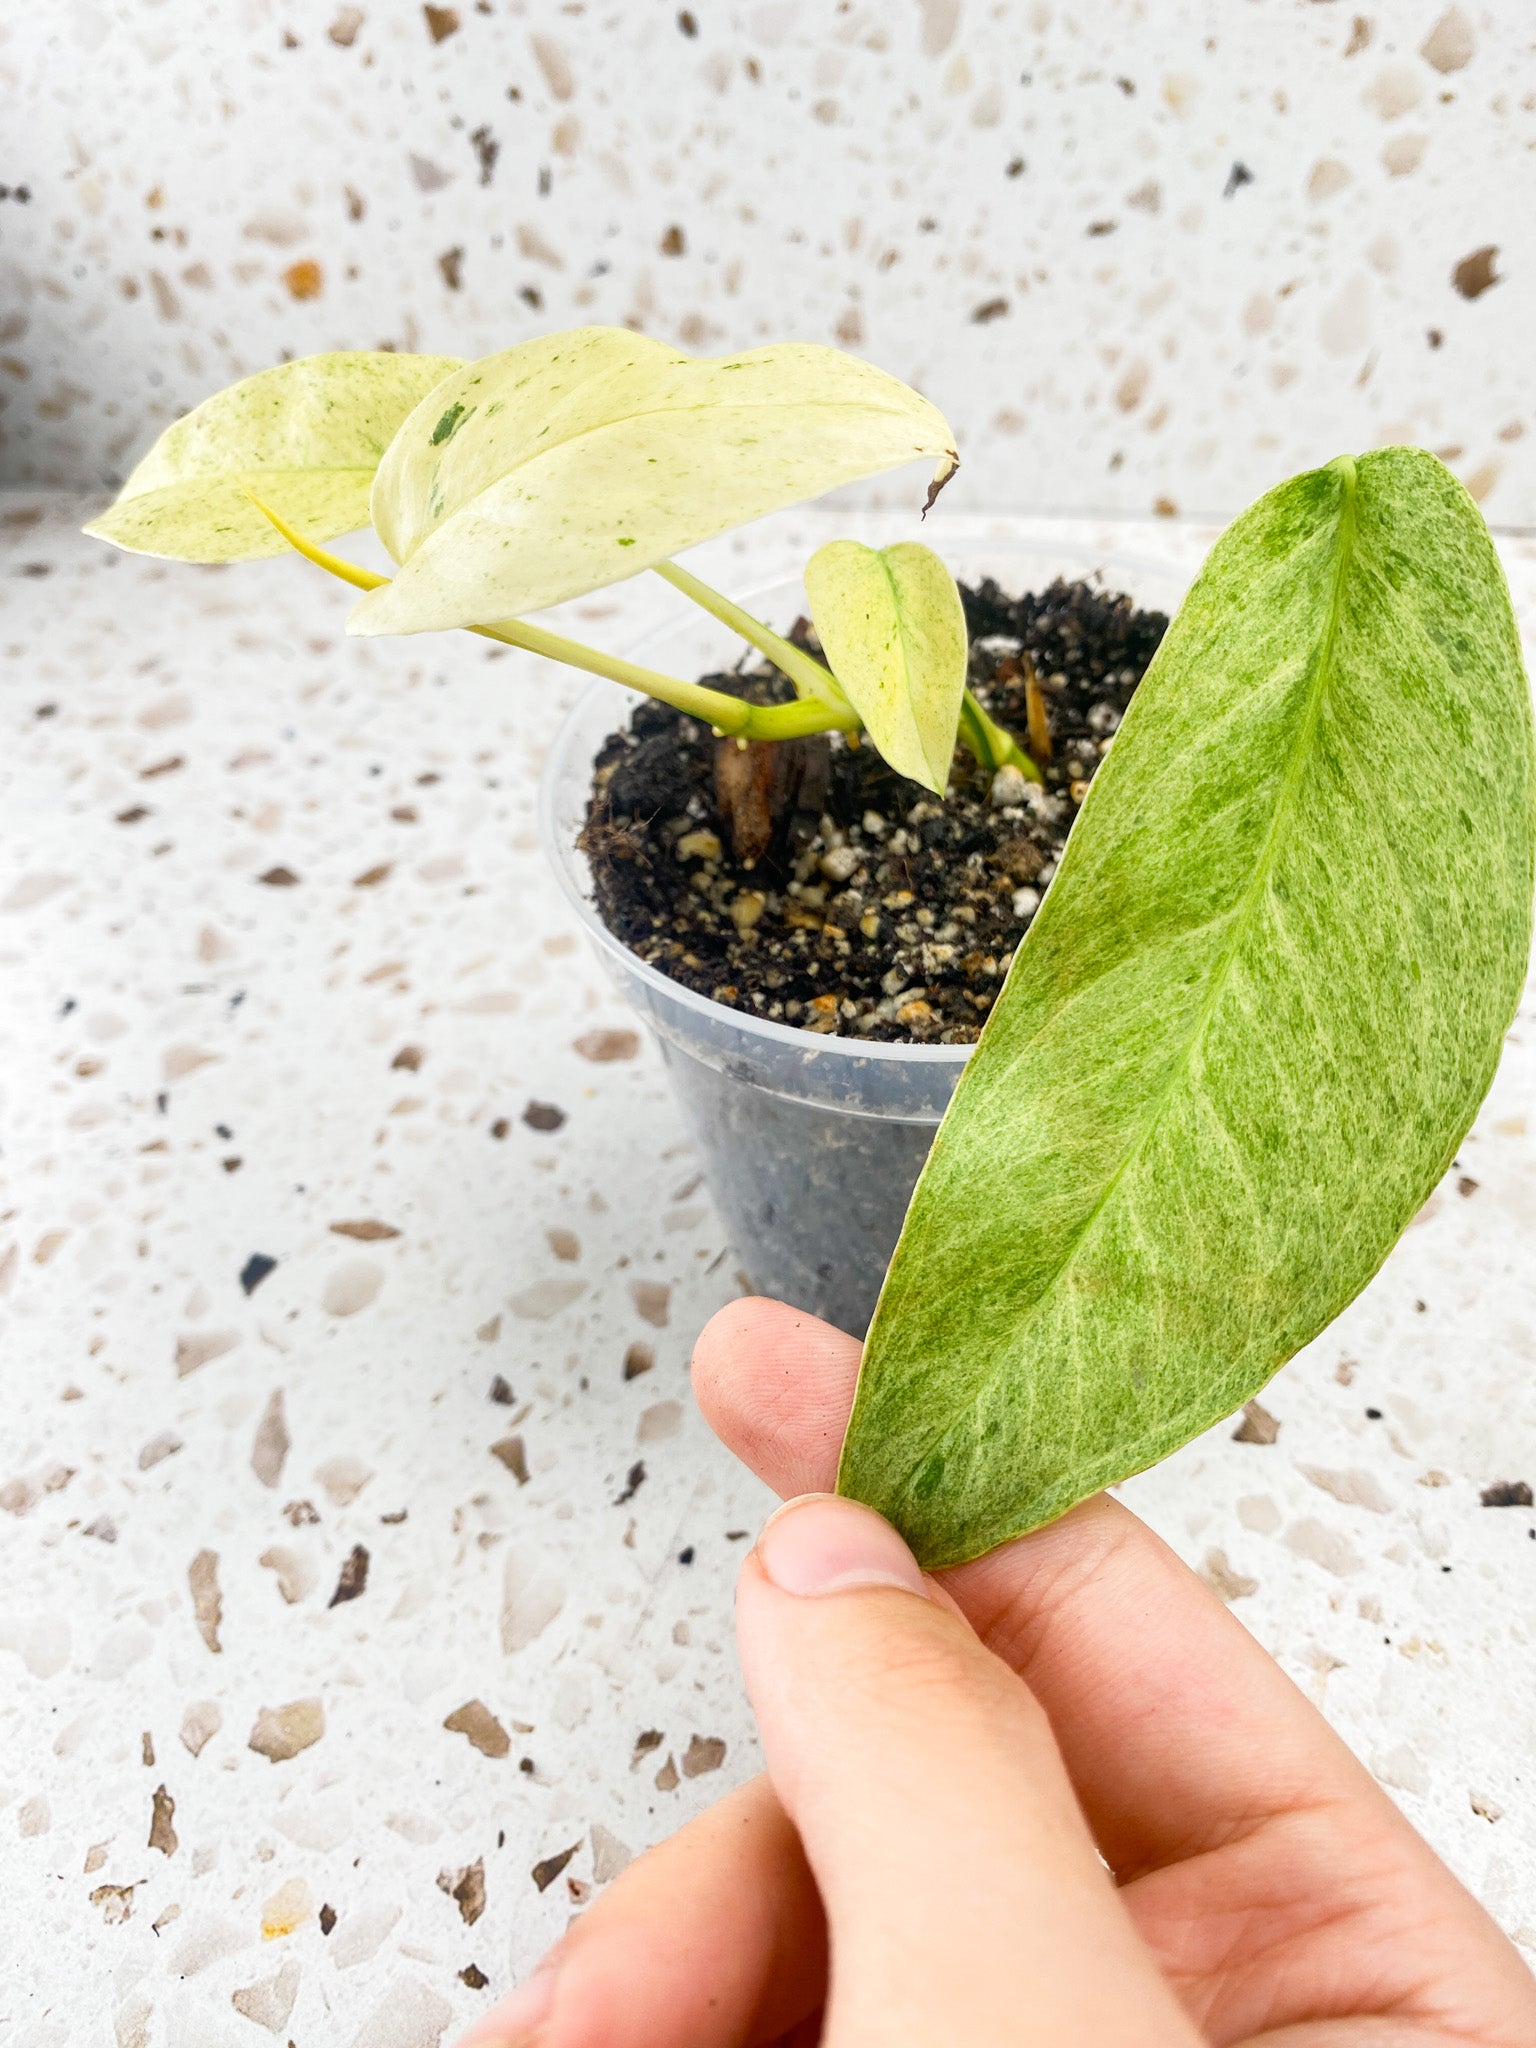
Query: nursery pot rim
(571, 868)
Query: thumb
(964, 1896)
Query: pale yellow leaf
(893, 630)
(305, 436)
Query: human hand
(951, 1766)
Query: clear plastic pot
(811, 1145)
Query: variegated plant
(1267, 991)
(571, 462)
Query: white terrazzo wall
(1147, 256)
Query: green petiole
(991, 743)
(724, 713)
(821, 706)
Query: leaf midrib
(1263, 871)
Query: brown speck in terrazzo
(343, 30)
(543, 1116)
(634, 1479)
(1475, 274)
(1451, 43)
(300, 1514)
(1507, 1493)
(545, 1873)
(475, 1721)
(368, 1230)
(352, 1581)
(647, 1740)
(565, 1244)
(408, 1058)
(704, 1753)
(603, 1047)
(199, 1724)
(653, 1302)
(207, 1604)
(343, 1479)
(282, 1732)
(1227, 1584)
(501, 1391)
(162, 1834)
(638, 1358)
(270, 2002)
(295, 1572)
(466, 1888)
(279, 878)
(351, 1288)
(511, 1453)
(370, 878)
(474, 1977)
(269, 1452)
(442, 22)
(662, 1420)
(487, 149)
(451, 266)
(666, 1779)
(1258, 1426)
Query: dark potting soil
(873, 910)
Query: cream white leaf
(579, 459)
(306, 436)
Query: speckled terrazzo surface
(1139, 254)
(275, 1234)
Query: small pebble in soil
(878, 910)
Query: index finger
(1178, 1730)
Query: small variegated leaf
(893, 629)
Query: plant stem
(992, 744)
(726, 714)
(810, 677)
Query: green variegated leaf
(579, 459)
(306, 437)
(893, 629)
(1248, 1028)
